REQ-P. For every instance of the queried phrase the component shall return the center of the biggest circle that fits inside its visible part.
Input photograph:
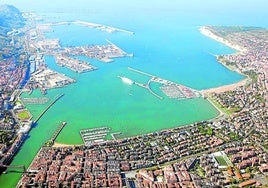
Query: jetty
(47, 108)
(140, 72)
(58, 130)
(20, 167)
(147, 86)
(115, 134)
(169, 88)
(101, 27)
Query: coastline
(225, 88)
(206, 32)
(58, 145)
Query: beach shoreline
(58, 145)
(206, 32)
(225, 88)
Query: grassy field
(221, 161)
(24, 115)
(220, 107)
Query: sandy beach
(222, 89)
(205, 31)
(58, 145)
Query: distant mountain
(10, 18)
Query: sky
(253, 10)
(204, 5)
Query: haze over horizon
(202, 11)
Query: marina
(95, 135)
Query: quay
(123, 52)
(47, 108)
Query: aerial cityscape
(90, 100)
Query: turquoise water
(166, 43)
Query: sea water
(166, 43)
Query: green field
(221, 160)
(24, 115)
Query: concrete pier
(169, 88)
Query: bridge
(47, 108)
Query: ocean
(166, 43)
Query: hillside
(10, 18)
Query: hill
(10, 18)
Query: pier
(147, 86)
(22, 167)
(169, 88)
(57, 132)
(140, 72)
(101, 27)
(115, 134)
(47, 108)
(51, 141)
